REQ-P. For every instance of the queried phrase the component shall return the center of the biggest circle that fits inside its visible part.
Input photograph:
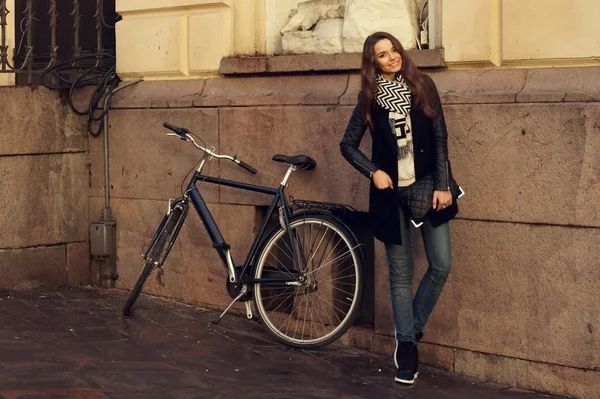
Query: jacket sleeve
(350, 143)
(440, 142)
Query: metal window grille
(50, 32)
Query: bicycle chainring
(234, 290)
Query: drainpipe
(103, 237)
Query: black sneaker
(404, 357)
(416, 356)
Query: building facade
(520, 83)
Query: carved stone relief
(336, 26)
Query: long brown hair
(415, 79)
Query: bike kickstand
(237, 298)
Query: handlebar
(183, 134)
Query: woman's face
(387, 58)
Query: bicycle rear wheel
(320, 309)
(157, 253)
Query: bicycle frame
(219, 243)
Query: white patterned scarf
(395, 96)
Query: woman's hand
(382, 180)
(441, 199)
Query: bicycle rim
(324, 307)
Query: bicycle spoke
(321, 308)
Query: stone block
(162, 49)
(437, 356)
(350, 97)
(511, 158)
(587, 207)
(383, 344)
(561, 84)
(549, 378)
(45, 199)
(317, 62)
(356, 337)
(159, 94)
(78, 264)
(36, 120)
(193, 271)
(216, 23)
(33, 268)
(258, 133)
(280, 90)
(479, 86)
(522, 291)
(145, 163)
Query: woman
(401, 107)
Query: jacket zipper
(447, 176)
(364, 167)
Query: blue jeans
(410, 315)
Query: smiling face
(387, 58)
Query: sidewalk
(74, 344)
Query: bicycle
(310, 254)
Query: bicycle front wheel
(319, 309)
(156, 254)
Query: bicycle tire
(154, 254)
(259, 289)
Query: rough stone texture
(479, 86)
(326, 38)
(522, 291)
(581, 384)
(561, 84)
(281, 90)
(302, 42)
(309, 13)
(587, 206)
(316, 62)
(32, 268)
(146, 163)
(37, 120)
(350, 97)
(256, 134)
(364, 17)
(78, 264)
(193, 270)
(510, 158)
(435, 355)
(161, 94)
(45, 198)
(523, 283)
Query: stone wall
(520, 307)
(44, 191)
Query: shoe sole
(406, 382)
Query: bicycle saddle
(303, 162)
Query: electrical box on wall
(102, 236)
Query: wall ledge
(316, 62)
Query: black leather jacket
(430, 143)
(431, 134)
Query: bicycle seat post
(291, 169)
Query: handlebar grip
(181, 131)
(247, 167)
